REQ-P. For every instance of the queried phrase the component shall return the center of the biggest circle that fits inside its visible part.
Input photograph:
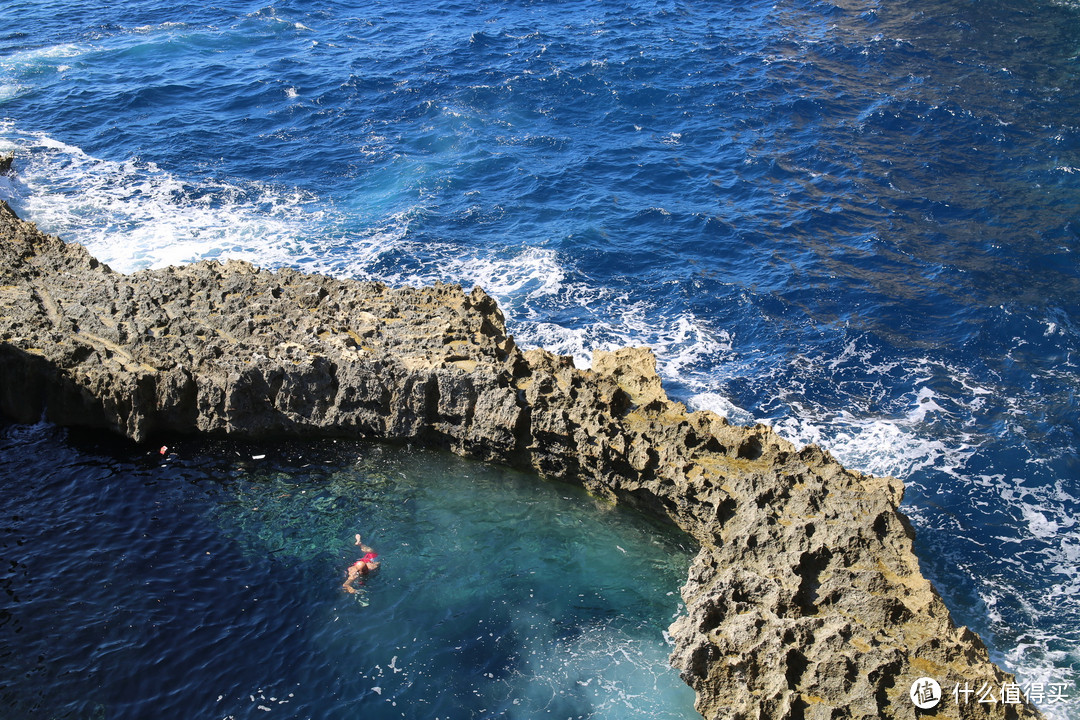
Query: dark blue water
(855, 221)
(207, 584)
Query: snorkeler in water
(365, 565)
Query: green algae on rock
(805, 600)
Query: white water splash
(134, 215)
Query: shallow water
(207, 583)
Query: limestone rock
(804, 601)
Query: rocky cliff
(805, 600)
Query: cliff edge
(805, 600)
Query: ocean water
(856, 221)
(207, 584)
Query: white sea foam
(134, 215)
(38, 55)
(927, 427)
(578, 343)
(925, 405)
(880, 446)
(9, 90)
(901, 443)
(1042, 657)
(603, 668)
(722, 406)
(18, 70)
(1038, 523)
(534, 271)
(686, 347)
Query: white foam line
(18, 70)
(879, 446)
(722, 406)
(133, 215)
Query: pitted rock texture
(804, 601)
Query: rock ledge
(805, 600)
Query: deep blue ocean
(855, 221)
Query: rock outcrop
(805, 600)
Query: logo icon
(925, 693)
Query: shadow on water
(206, 582)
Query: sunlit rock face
(805, 600)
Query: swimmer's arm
(350, 576)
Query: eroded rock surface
(805, 600)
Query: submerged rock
(804, 601)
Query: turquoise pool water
(206, 583)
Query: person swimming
(364, 566)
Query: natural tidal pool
(207, 583)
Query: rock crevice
(805, 600)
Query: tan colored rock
(805, 600)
